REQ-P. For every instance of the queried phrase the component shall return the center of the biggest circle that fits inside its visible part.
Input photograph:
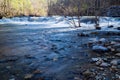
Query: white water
(58, 21)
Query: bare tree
(72, 10)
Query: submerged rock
(8, 59)
(53, 56)
(84, 34)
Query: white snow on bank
(59, 22)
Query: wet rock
(28, 76)
(105, 59)
(112, 50)
(115, 62)
(117, 40)
(100, 49)
(118, 28)
(117, 76)
(98, 28)
(98, 77)
(95, 59)
(111, 26)
(1, 17)
(112, 42)
(103, 40)
(113, 68)
(116, 45)
(77, 78)
(37, 71)
(104, 64)
(87, 73)
(117, 54)
(118, 66)
(12, 79)
(8, 67)
(98, 63)
(118, 50)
